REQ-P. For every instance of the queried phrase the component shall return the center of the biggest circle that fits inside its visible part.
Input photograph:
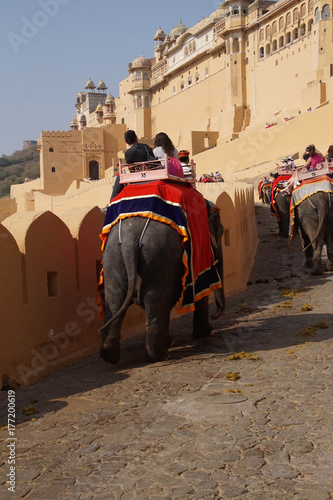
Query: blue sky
(49, 49)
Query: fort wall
(49, 271)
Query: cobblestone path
(203, 425)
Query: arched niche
(93, 170)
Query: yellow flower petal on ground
(306, 307)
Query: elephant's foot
(157, 357)
(171, 342)
(329, 265)
(317, 268)
(199, 333)
(110, 354)
(308, 263)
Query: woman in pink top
(314, 158)
(163, 145)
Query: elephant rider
(313, 160)
(184, 158)
(137, 152)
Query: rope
(143, 232)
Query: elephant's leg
(305, 242)
(317, 251)
(116, 284)
(110, 343)
(329, 244)
(201, 325)
(157, 337)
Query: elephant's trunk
(219, 302)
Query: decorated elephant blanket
(184, 209)
(306, 189)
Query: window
(288, 19)
(295, 34)
(310, 23)
(146, 101)
(303, 30)
(274, 46)
(316, 15)
(261, 35)
(174, 90)
(281, 24)
(303, 10)
(295, 15)
(182, 86)
(235, 45)
(261, 52)
(227, 237)
(326, 13)
(268, 49)
(310, 6)
(52, 283)
(197, 78)
(53, 169)
(288, 38)
(274, 28)
(51, 149)
(268, 32)
(189, 81)
(281, 42)
(206, 72)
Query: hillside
(14, 169)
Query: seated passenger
(137, 152)
(314, 158)
(164, 146)
(184, 158)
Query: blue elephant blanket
(184, 209)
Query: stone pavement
(183, 429)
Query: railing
(159, 69)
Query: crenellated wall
(49, 270)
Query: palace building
(249, 63)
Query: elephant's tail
(131, 264)
(322, 214)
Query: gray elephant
(314, 216)
(146, 268)
(266, 192)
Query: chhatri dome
(109, 99)
(178, 30)
(90, 84)
(141, 62)
(159, 35)
(101, 85)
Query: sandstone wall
(49, 271)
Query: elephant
(314, 216)
(148, 271)
(266, 192)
